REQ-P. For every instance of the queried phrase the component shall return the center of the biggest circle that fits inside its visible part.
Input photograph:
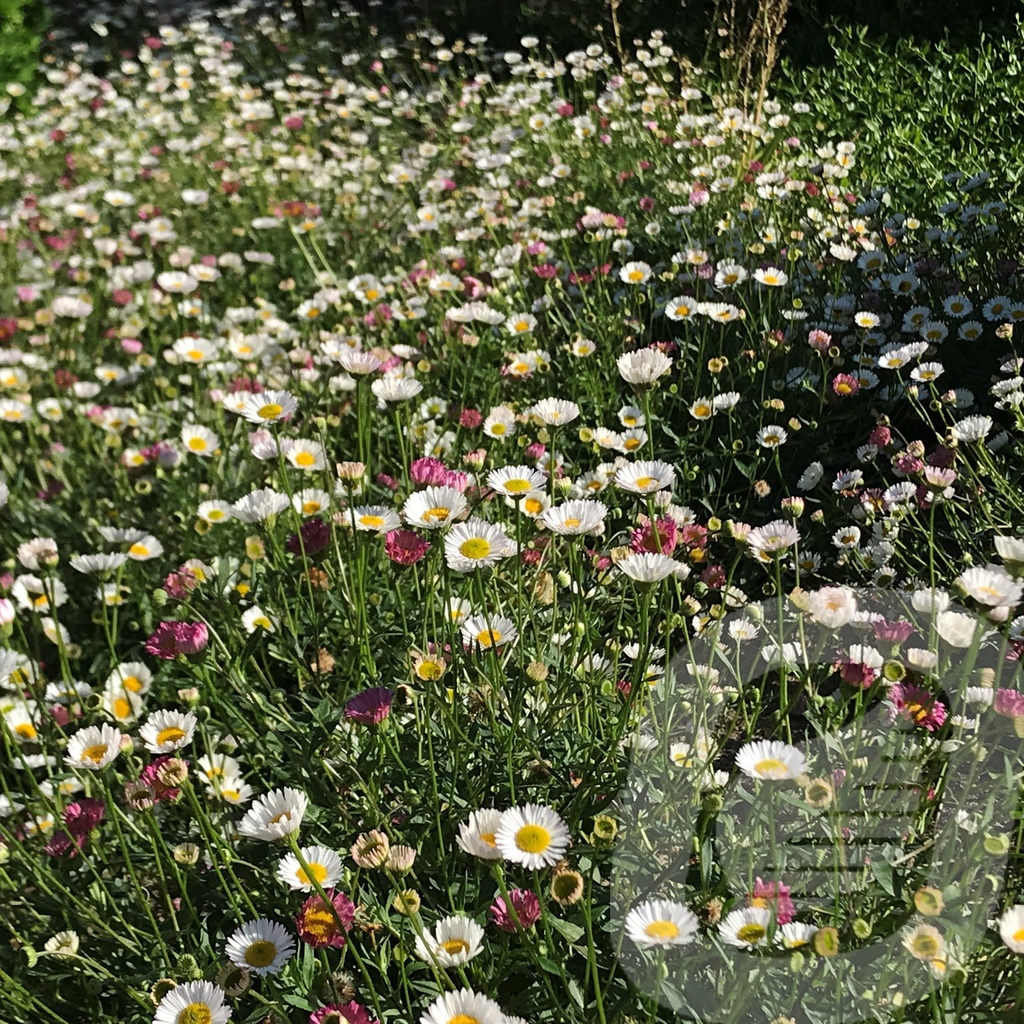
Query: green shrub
(22, 23)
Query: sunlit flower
(661, 923)
(533, 836)
(770, 759)
(275, 815)
(453, 941)
(262, 947)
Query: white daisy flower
(661, 923)
(478, 836)
(261, 947)
(434, 507)
(476, 544)
(575, 517)
(191, 1003)
(275, 815)
(463, 1007)
(555, 412)
(324, 864)
(516, 481)
(375, 519)
(268, 406)
(199, 440)
(453, 941)
(770, 759)
(645, 477)
(94, 747)
(746, 928)
(487, 631)
(533, 836)
(165, 731)
(1011, 928)
(652, 567)
(644, 367)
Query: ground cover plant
(498, 536)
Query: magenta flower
(336, 1013)
(525, 909)
(180, 583)
(1009, 703)
(916, 705)
(895, 631)
(321, 924)
(427, 472)
(313, 536)
(173, 638)
(370, 706)
(150, 776)
(80, 818)
(405, 547)
(655, 538)
(773, 896)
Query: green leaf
(569, 931)
(882, 870)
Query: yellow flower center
(26, 731)
(374, 521)
(172, 734)
(636, 275)
(436, 514)
(533, 839)
(263, 622)
(571, 523)
(214, 514)
(195, 1013)
(488, 838)
(95, 753)
(197, 444)
(305, 459)
(488, 637)
(770, 768)
(517, 486)
(475, 548)
(926, 946)
(498, 428)
(40, 601)
(195, 354)
(310, 507)
(261, 953)
(453, 947)
(138, 550)
(318, 921)
(122, 708)
(751, 933)
(662, 930)
(533, 505)
(279, 817)
(1018, 935)
(521, 367)
(632, 444)
(645, 481)
(428, 670)
(464, 1018)
(702, 410)
(270, 411)
(319, 874)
